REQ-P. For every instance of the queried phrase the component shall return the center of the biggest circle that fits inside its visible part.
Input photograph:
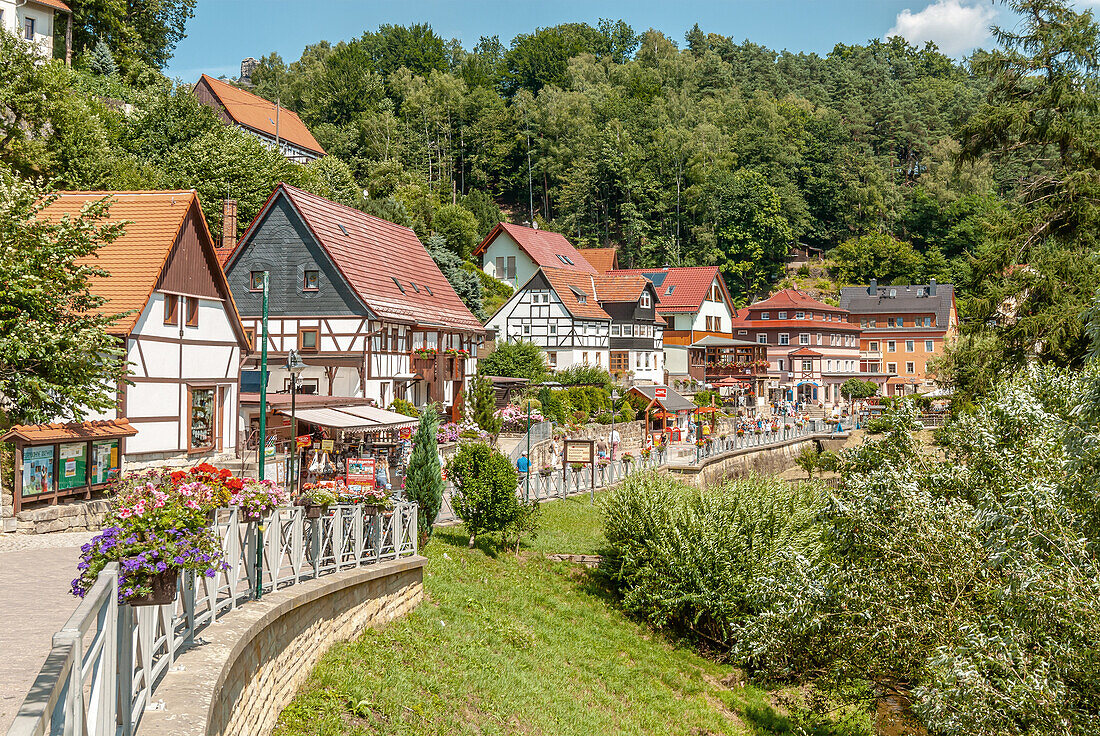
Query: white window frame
(646, 301)
(761, 338)
(803, 338)
(782, 315)
(891, 346)
(765, 315)
(910, 367)
(801, 315)
(929, 346)
(784, 338)
(910, 346)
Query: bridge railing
(106, 662)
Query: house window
(171, 309)
(511, 269)
(762, 338)
(646, 300)
(804, 338)
(891, 346)
(890, 322)
(628, 330)
(250, 337)
(909, 346)
(309, 281)
(202, 420)
(863, 322)
(256, 281)
(553, 358)
(619, 361)
(782, 315)
(780, 364)
(527, 329)
(808, 366)
(891, 367)
(499, 270)
(910, 367)
(28, 29)
(553, 328)
(871, 322)
(305, 385)
(765, 315)
(873, 347)
(584, 358)
(784, 338)
(614, 330)
(929, 346)
(192, 308)
(308, 339)
(927, 321)
(742, 332)
(800, 315)
(829, 365)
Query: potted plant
(576, 467)
(315, 500)
(628, 458)
(546, 470)
(376, 499)
(257, 498)
(646, 452)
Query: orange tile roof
(134, 261)
(602, 259)
(680, 289)
(794, 299)
(568, 283)
(619, 288)
(257, 113)
(44, 433)
(55, 4)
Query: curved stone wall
(248, 666)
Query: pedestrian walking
(615, 439)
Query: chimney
(931, 287)
(872, 290)
(229, 223)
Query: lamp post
(295, 365)
(263, 438)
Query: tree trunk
(472, 537)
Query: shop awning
(364, 418)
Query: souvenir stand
(343, 436)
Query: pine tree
(101, 62)
(484, 404)
(424, 481)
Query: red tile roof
(55, 4)
(371, 253)
(542, 246)
(602, 259)
(679, 289)
(804, 353)
(794, 299)
(135, 260)
(258, 114)
(45, 433)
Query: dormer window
(800, 315)
(646, 300)
(782, 315)
(670, 289)
(765, 315)
(310, 280)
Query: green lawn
(524, 645)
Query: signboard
(37, 470)
(269, 451)
(303, 440)
(327, 445)
(660, 393)
(361, 474)
(104, 461)
(405, 433)
(73, 469)
(579, 451)
(275, 470)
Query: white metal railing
(105, 663)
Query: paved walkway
(35, 572)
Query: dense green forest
(899, 162)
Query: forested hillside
(716, 152)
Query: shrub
(580, 374)
(484, 404)
(424, 480)
(693, 561)
(401, 406)
(484, 489)
(516, 360)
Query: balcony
(434, 366)
(870, 355)
(737, 370)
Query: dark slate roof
(674, 401)
(913, 298)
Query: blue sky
(225, 31)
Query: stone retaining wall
(249, 665)
(737, 463)
(76, 516)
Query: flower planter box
(163, 585)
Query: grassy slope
(522, 645)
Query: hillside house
(37, 22)
(513, 253)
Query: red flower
(225, 473)
(178, 476)
(234, 484)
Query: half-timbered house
(582, 318)
(184, 340)
(358, 297)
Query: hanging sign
(660, 393)
(360, 474)
(327, 445)
(303, 440)
(405, 433)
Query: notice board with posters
(105, 461)
(72, 469)
(361, 474)
(38, 466)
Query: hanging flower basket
(162, 589)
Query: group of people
(605, 449)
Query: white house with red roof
(587, 319)
(513, 253)
(35, 21)
(358, 297)
(813, 348)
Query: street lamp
(295, 365)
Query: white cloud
(954, 26)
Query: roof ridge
(357, 212)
